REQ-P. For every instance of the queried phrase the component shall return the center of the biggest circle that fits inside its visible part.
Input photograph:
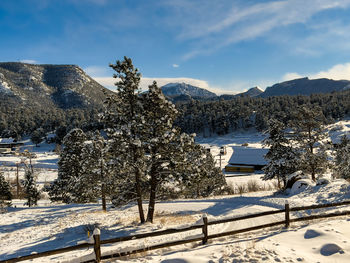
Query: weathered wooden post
(205, 230)
(287, 213)
(97, 245)
(17, 180)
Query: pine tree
(30, 188)
(5, 192)
(310, 133)
(159, 118)
(96, 180)
(199, 175)
(282, 156)
(342, 158)
(37, 136)
(124, 122)
(146, 150)
(70, 170)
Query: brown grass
(173, 219)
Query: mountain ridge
(67, 86)
(305, 86)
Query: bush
(253, 186)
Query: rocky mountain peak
(177, 89)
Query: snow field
(25, 230)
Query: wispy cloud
(230, 22)
(337, 72)
(98, 71)
(176, 65)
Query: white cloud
(176, 65)
(337, 72)
(29, 61)
(291, 76)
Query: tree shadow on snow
(68, 237)
(46, 217)
(223, 206)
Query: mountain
(252, 92)
(48, 97)
(173, 90)
(306, 86)
(61, 86)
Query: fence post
(205, 230)
(97, 245)
(287, 213)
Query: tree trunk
(139, 195)
(103, 186)
(103, 196)
(152, 197)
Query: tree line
(219, 117)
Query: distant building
(7, 145)
(246, 159)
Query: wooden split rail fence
(204, 237)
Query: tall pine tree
(310, 134)
(282, 157)
(96, 179)
(124, 123)
(342, 158)
(159, 118)
(66, 187)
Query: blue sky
(226, 46)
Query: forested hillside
(46, 96)
(224, 116)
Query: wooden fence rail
(204, 237)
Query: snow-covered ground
(45, 162)
(26, 230)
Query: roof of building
(6, 140)
(248, 156)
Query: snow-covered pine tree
(200, 176)
(5, 192)
(31, 191)
(37, 136)
(96, 181)
(282, 157)
(159, 118)
(342, 158)
(124, 122)
(169, 152)
(309, 131)
(70, 170)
